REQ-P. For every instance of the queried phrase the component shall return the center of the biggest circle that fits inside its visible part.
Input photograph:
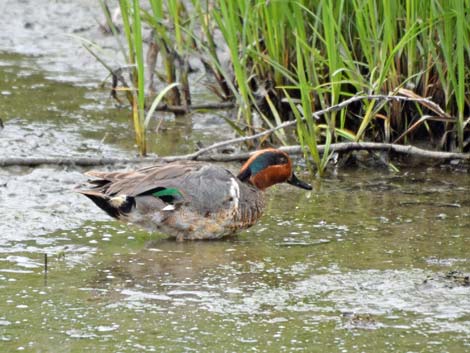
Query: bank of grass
(291, 58)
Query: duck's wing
(140, 181)
(152, 188)
(116, 176)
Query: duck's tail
(115, 206)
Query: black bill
(299, 183)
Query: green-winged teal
(192, 200)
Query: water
(368, 261)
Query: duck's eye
(282, 160)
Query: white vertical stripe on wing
(234, 192)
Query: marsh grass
(291, 58)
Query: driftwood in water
(202, 155)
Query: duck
(192, 200)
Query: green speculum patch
(169, 195)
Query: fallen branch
(341, 147)
(68, 161)
(220, 157)
(400, 149)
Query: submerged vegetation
(289, 59)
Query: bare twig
(220, 157)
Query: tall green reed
(290, 58)
(130, 12)
(234, 32)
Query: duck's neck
(245, 175)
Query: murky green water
(360, 264)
